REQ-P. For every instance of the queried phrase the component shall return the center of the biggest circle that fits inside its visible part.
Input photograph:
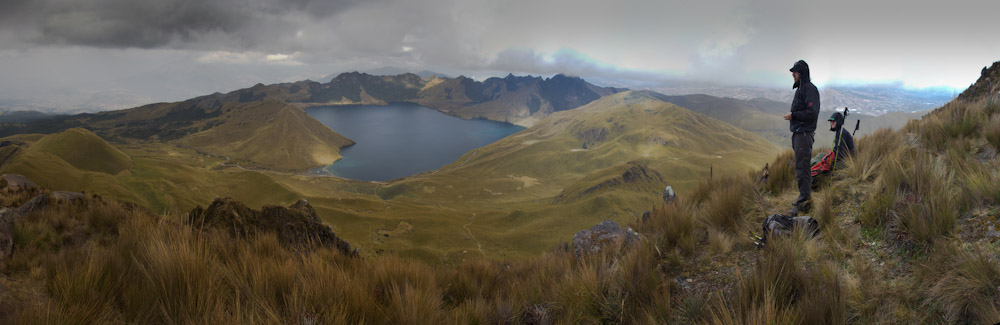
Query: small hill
(270, 134)
(84, 150)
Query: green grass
(84, 150)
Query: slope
(84, 150)
(609, 159)
(518, 100)
(270, 134)
(764, 117)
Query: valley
(520, 196)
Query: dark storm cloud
(162, 23)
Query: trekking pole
(836, 149)
(856, 127)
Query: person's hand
(788, 116)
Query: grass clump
(782, 173)
(724, 209)
(963, 284)
(991, 131)
(785, 286)
(672, 226)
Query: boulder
(304, 207)
(669, 194)
(36, 203)
(18, 182)
(297, 227)
(67, 196)
(605, 235)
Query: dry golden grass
(782, 173)
(963, 284)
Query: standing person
(802, 122)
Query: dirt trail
(478, 244)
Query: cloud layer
(734, 42)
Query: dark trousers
(802, 144)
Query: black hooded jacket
(805, 103)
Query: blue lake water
(403, 139)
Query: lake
(403, 139)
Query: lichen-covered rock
(297, 227)
(605, 235)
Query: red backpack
(824, 165)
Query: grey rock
(67, 195)
(605, 235)
(18, 182)
(38, 202)
(669, 194)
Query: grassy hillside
(270, 134)
(763, 117)
(505, 194)
(518, 197)
(908, 236)
(84, 150)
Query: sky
(121, 53)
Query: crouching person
(843, 146)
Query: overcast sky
(102, 52)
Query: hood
(839, 119)
(803, 69)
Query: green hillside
(270, 134)
(84, 150)
(764, 117)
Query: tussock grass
(871, 153)
(724, 210)
(958, 119)
(672, 226)
(963, 284)
(824, 209)
(991, 131)
(785, 286)
(782, 173)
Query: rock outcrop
(605, 235)
(297, 226)
(16, 182)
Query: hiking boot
(799, 208)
